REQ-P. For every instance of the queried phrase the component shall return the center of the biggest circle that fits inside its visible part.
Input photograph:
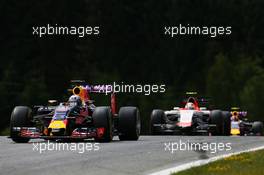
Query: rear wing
(79, 85)
(200, 101)
(103, 89)
(83, 90)
(194, 94)
(237, 112)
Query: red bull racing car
(78, 118)
(240, 125)
(190, 120)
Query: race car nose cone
(58, 131)
(57, 124)
(57, 127)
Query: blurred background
(132, 48)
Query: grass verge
(241, 164)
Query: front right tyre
(20, 117)
(156, 118)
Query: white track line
(201, 162)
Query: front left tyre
(129, 124)
(226, 123)
(102, 118)
(222, 120)
(257, 128)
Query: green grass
(4, 132)
(242, 164)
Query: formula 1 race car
(241, 126)
(190, 120)
(76, 119)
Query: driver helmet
(189, 105)
(75, 100)
(235, 116)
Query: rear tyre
(157, 117)
(102, 118)
(257, 128)
(21, 117)
(129, 123)
(226, 123)
(217, 119)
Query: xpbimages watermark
(211, 147)
(80, 148)
(211, 31)
(145, 89)
(80, 31)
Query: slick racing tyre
(156, 118)
(21, 117)
(257, 128)
(226, 123)
(102, 118)
(129, 123)
(217, 119)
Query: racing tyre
(129, 123)
(226, 123)
(257, 128)
(217, 119)
(21, 117)
(102, 118)
(157, 117)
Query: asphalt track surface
(145, 156)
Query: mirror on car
(203, 108)
(53, 102)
